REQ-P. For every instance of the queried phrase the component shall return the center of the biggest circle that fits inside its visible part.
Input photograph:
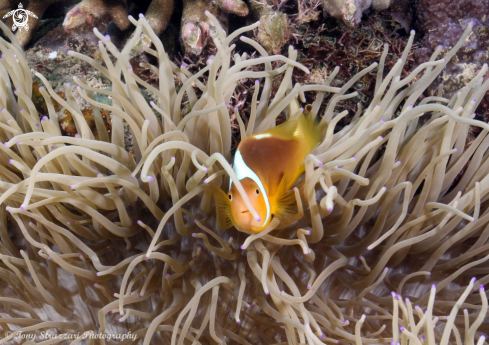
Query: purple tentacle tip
(258, 219)
(52, 147)
(193, 234)
(107, 36)
(22, 207)
(433, 286)
(95, 284)
(17, 143)
(37, 125)
(267, 293)
(481, 287)
(141, 295)
(330, 209)
(320, 164)
(184, 64)
(321, 336)
(242, 247)
(402, 329)
(204, 182)
(97, 274)
(308, 287)
(150, 178)
(195, 221)
(147, 256)
(238, 321)
(473, 279)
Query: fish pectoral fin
(286, 205)
(224, 215)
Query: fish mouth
(245, 211)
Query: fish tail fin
(224, 215)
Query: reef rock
(441, 22)
(350, 11)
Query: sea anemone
(91, 235)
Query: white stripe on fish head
(243, 171)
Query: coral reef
(350, 11)
(441, 23)
(322, 48)
(384, 247)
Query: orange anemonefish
(268, 164)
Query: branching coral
(196, 28)
(379, 193)
(89, 12)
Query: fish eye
(257, 191)
(230, 197)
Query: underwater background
(109, 212)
